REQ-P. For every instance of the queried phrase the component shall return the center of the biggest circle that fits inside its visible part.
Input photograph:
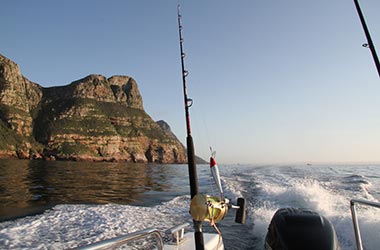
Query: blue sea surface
(60, 205)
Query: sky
(272, 81)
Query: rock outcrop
(93, 118)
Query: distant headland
(94, 118)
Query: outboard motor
(300, 229)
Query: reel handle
(241, 211)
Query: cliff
(94, 118)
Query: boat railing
(355, 221)
(175, 233)
(125, 239)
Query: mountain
(167, 129)
(94, 118)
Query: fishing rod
(198, 235)
(369, 43)
(204, 207)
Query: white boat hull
(188, 243)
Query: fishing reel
(213, 208)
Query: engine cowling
(300, 229)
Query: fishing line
(213, 224)
(202, 137)
(205, 146)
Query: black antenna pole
(198, 235)
(369, 40)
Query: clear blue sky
(272, 81)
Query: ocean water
(71, 204)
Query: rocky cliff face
(18, 97)
(94, 118)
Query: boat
(290, 227)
